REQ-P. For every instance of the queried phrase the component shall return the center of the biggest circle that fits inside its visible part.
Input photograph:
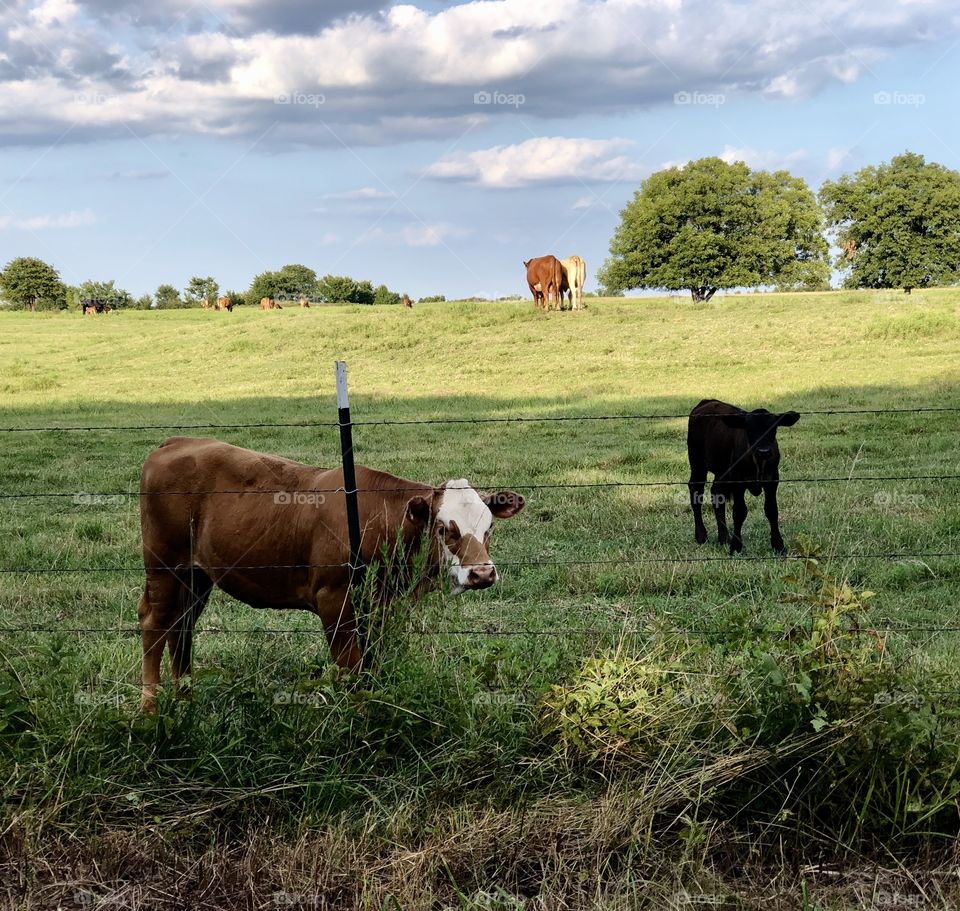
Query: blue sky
(238, 135)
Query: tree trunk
(700, 295)
(710, 293)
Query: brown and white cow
(544, 278)
(268, 303)
(204, 303)
(273, 533)
(407, 302)
(304, 302)
(224, 303)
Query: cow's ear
(418, 511)
(504, 504)
(736, 421)
(788, 419)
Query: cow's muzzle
(482, 575)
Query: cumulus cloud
(375, 73)
(362, 193)
(77, 219)
(543, 160)
(767, 160)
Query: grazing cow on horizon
(304, 302)
(224, 303)
(93, 307)
(268, 303)
(407, 302)
(545, 279)
(272, 533)
(740, 448)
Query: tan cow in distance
(575, 275)
(304, 302)
(272, 533)
(204, 303)
(268, 303)
(407, 302)
(224, 303)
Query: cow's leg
(718, 497)
(156, 611)
(340, 624)
(193, 596)
(697, 483)
(772, 513)
(739, 516)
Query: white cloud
(543, 160)
(838, 156)
(430, 235)
(768, 160)
(76, 219)
(406, 73)
(363, 193)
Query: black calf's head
(761, 428)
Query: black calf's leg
(696, 486)
(718, 495)
(739, 515)
(773, 517)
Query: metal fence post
(350, 494)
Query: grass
(438, 782)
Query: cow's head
(761, 429)
(462, 522)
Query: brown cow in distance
(224, 303)
(268, 303)
(547, 273)
(304, 302)
(407, 302)
(271, 532)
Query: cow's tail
(558, 282)
(191, 600)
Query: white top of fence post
(341, 372)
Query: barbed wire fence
(345, 421)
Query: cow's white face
(464, 522)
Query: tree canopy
(167, 298)
(343, 289)
(199, 288)
(897, 225)
(712, 225)
(31, 284)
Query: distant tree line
(705, 226)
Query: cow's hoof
(701, 535)
(722, 537)
(148, 706)
(779, 547)
(735, 547)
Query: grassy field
(459, 777)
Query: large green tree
(712, 225)
(31, 284)
(105, 291)
(897, 225)
(201, 287)
(287, 283)
(341, 289)
(168, 298)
